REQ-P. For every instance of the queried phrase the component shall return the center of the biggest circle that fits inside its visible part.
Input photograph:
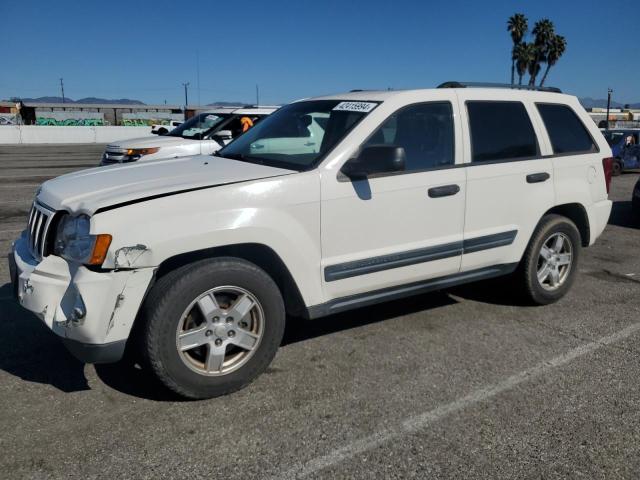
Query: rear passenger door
(576, 157)
(509, 183)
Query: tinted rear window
(500, 131)
(566, 132)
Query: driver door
(393, 229)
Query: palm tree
(557, 46)
(525, 54)
(543, 31)
(517, 25)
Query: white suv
(203, 134)
(397, 193)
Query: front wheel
(212, 326)
(550, 262)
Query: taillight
(607, 165)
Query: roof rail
(498, 85)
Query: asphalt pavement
(463, 383)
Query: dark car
(626, 156)
(635, 199)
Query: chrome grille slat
(36, 236)
(39, 222)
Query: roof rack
(497, 85)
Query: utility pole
(62, 88)
(257, 95)
(198, 75)
(609, 92)
(186, 98)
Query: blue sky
(293, 49)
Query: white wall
(30, 134)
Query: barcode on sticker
(364, 107)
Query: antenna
(62, 88)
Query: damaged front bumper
(92, 312)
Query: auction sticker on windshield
(364, 107)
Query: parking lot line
(421, 421)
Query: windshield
(613, 137)
(298, 135)
(198, 124)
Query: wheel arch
(259, 254)
(578, 215)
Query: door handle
(443, 191)
(308, 144)
(257, 146)
(538, 177)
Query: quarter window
(566, 132)
(500, 131)
(425, 131)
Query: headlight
(136, 153)
(74, 242)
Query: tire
(635, 208)
(616, 168)
(546, 233)
(180, 342)
(163, 131)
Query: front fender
(282, 213)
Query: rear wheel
(550, 262)
(616, 167)
(212, 326)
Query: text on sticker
(364, 107)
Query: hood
(87, 191)
(151, 141)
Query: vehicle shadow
(299, 330)
(28, 349)
(130, 377)
(495, 291)
(623, 216)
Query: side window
(425, 131)
(500, 131)
(566, 132)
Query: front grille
(38, 228)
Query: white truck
(163, 129)
(197, 264)
(203, 134)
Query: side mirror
(375, 159)
(223, 135)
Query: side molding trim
(395, 260)
(371, 298)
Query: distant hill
(88, 100)
(588, 102)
